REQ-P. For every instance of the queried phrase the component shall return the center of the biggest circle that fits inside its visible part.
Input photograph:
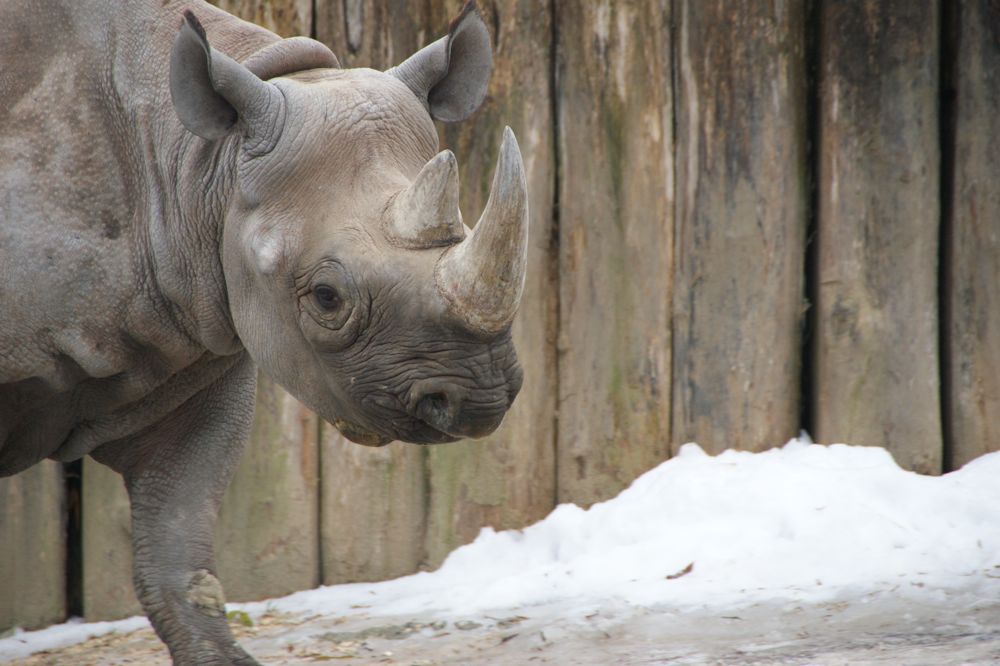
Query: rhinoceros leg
(176, 475)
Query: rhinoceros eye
(328, 304)
(327, 297)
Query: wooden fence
(748, 218)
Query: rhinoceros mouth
(360, 435)
(421, 433)
(426, 434)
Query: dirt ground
(878, 629)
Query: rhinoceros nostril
(452, 409)
(435, 404)
(438, 409)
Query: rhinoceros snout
(457, 411)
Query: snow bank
(23, 643)
(803, 523)
(799, 522)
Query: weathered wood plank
(377, 33)
(615, 142)
(287, 18)
(876, 357)
(507, 480)
(373, 505)
(32, 548)
(106, 532)
(268, 529)
(470, 484)
(741, 221)
(373, 510)
(973, 261)
(267, 537)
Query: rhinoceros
(185, 197)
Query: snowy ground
(801, 555)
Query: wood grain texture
(267, 540)
(267, 533)
(267, 536)
(106, 529)
(373, 505)
(741, 221)
(373, 510)
(287, 18)
(616, 184)
(876, 358)
(32, 548)
(376, 33)
(507, 480)
(972, 282)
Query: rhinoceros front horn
(482, 278)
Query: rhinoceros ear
(212, 93)
(451, 75)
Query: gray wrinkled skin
(168, 220)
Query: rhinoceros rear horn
(482, 277)
(450, 76)
(426, 213)
(212, 93)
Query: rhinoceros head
(352, 279)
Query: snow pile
(803, 523)
(23, 643)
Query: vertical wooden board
(375, 33)
(615, 142)
(741, 221)
(287, 18)
(472, 484)
(876, 356)
(374, 510)
(267, 536)
(373, 505)
(32, 548)
(268, 528)
(106, 532)
(507, 480)
(973, 263)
